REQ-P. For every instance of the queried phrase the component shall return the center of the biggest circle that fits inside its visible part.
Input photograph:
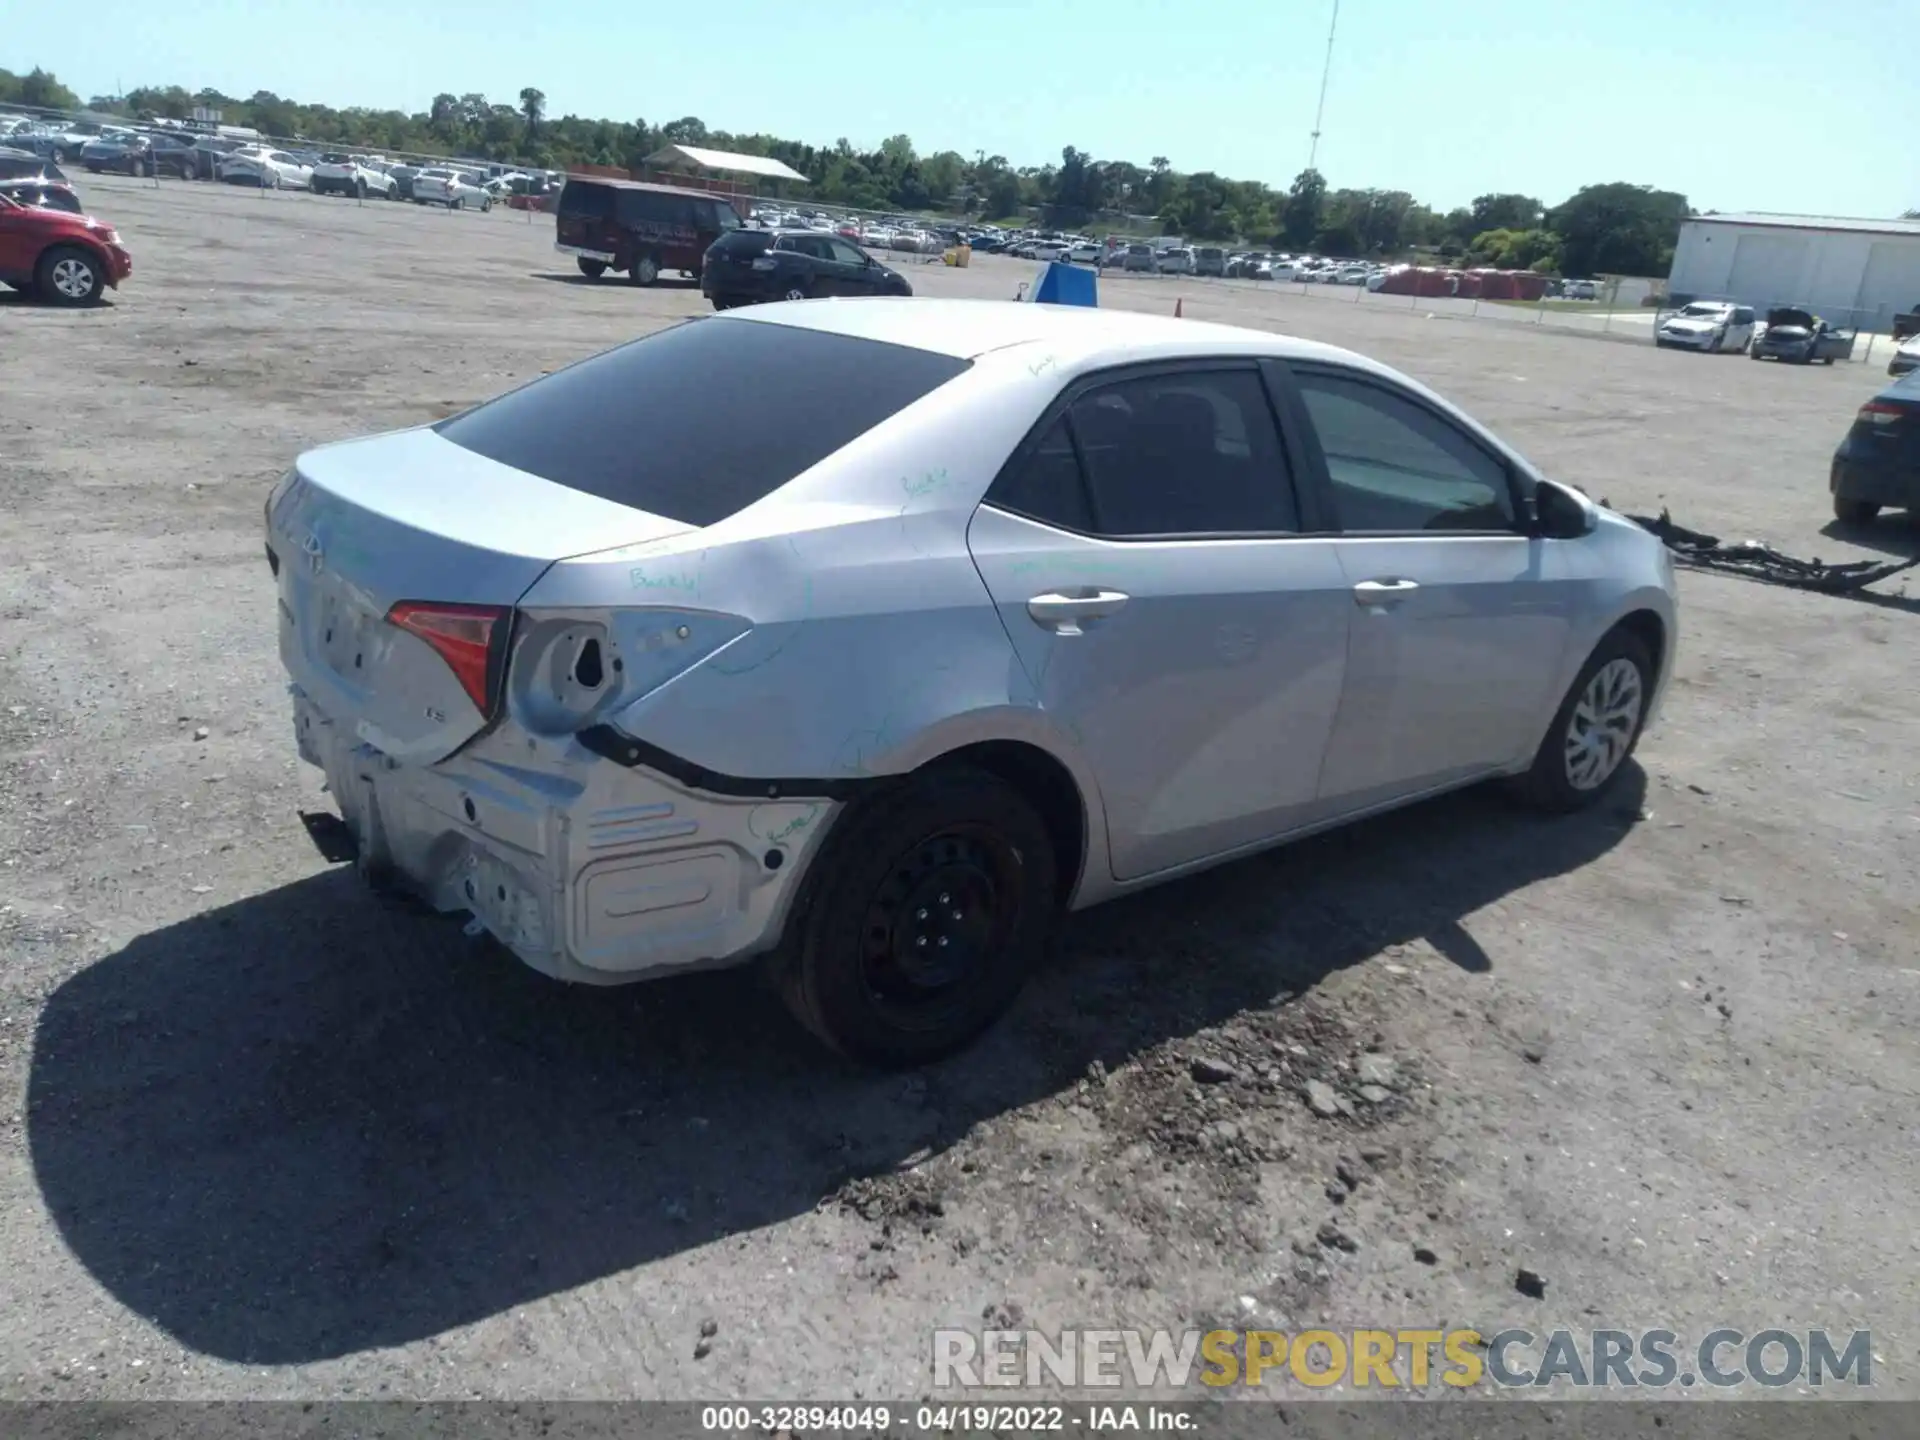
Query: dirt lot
(262, 1136)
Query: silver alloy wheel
(794, 292)
(72, 277)
(1603, 724)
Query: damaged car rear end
(475, 616)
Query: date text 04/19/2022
(858, 1420)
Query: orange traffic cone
(1176, 308)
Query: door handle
(1383, 592)
(1063, 613)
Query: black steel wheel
(923, 915)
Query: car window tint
(586, 202)
(1395, 465)
(698, 421)
(846, 254)
(743, 243)
(1045, 483)
(1193, 453)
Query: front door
(1460, 619)
(852, 274)
(1145, 555)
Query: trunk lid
(363, 525)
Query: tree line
(1617, 228)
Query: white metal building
(1850, 272)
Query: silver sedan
(870, 636)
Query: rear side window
(650, 207)
(1045, 483)
(1189, 453)
(586, 201)
(701, 420)
(1183, 453)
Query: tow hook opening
(588, 670)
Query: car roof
(612, 184)
(966, 329)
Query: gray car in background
(1798, 336)
(869, 636)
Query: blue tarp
(1063, 285)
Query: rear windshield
(698, 421)
(590, 201)
(744, 242)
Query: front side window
(1395, 466)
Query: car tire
(459, 202)
(486, 206)
(1854, 512)
(592, 269)
(855, 971)
(1587, 727)
(1718, 340)
(68, 275)
(359, 189)
(645, 268)
(797, 291)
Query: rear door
(1171, 609)
(21, 235)
(1461, 620)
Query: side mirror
(1561, 512)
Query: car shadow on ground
(614, 279)
(309, 1123)
(1891, 532)
(21, 300)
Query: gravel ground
(260, 1136)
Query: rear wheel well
(1049, 787)
(1650, 631)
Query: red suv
(65, 258)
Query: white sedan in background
(267, 168)
(455, 189)
(1709, 325)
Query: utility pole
(1320, 110)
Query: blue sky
(1794, 105)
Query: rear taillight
(463, 636)
(1877, 412)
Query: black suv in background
(746, 267)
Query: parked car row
(884, 233)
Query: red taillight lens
(1876, 412)
(462, 635)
